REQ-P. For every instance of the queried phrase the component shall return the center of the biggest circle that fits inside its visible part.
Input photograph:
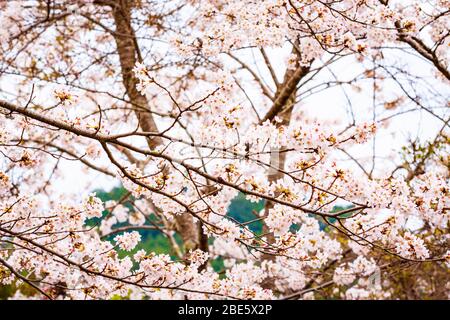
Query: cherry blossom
(328, 119)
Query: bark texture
(129, 53)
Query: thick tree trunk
(128, 51)
(277, 163)
(282, 108)
(128, 55)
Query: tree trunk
(282, 107)
(128, 55)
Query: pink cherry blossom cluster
(198, 126)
